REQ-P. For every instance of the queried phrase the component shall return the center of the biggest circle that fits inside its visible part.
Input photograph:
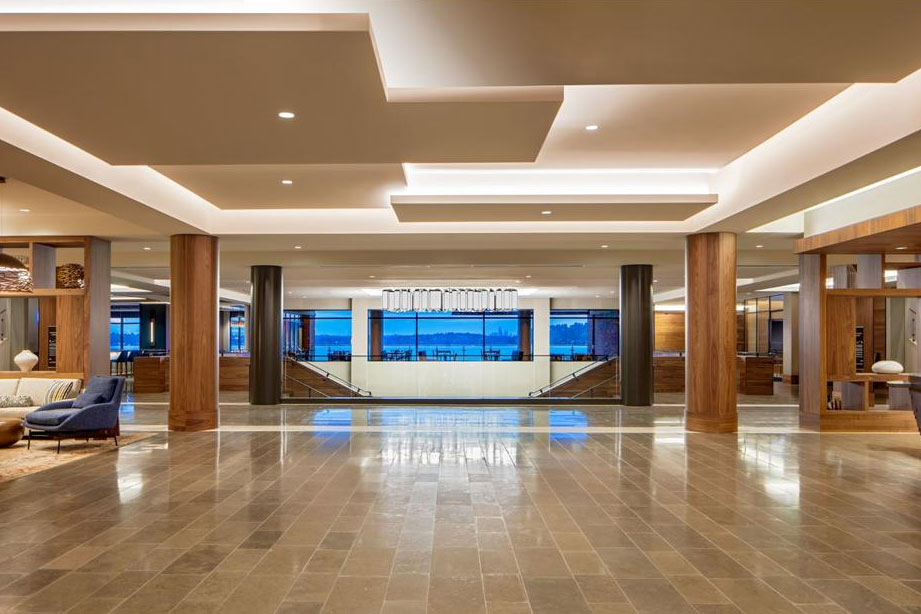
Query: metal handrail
(306, 385)
(330, 376)
(572, 376)
(605, 381)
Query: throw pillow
(59, 391)
(102, 385)
(12, 400)
(85, 399)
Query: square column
(193, 365)
(710, 377)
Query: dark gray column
(636, 334)
(265, 344)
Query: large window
(763, 325)
(237, 331)
(318, 334)
(584, 334)
(450, 336)
(124, 331)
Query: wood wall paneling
(841, 343)
(70, 322)
(880, 235)
(711, 332)
(669, 331)
(193, 332)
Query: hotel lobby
(487, 307)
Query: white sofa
(35, 388)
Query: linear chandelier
(450, 299)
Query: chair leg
(115, 437)
(59, 446)
(29, 441)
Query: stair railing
(359, 392)
(592, 388)
(308, 386)
(571, 377)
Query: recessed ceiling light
(591, 127)
(902, 247)
(546, 212)
(297, 247)
(146, 248)
(287, 181)
(372, 276)
(25, 210)
(604, 247)
(528, 276)
(597, 296)
(286, 114)
(655, 281)
(759, 246)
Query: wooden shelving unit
(829, 319)
(80, 315)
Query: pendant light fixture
(466, 300)
(14, 275)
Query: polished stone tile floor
(454, 510)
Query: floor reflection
(506, 509)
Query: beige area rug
(17, 461)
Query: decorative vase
(887, 367)
(25, 360)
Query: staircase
(303, 379)
(598, 380)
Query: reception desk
(151, 373)
(755, 374)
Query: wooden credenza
(151, 373)
(755, 374)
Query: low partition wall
(480, 379)
(151, 373)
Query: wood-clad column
(710, 378)
(193, 368)
(376, 334)
(525, 336)
(636, 334)
(265, 347)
